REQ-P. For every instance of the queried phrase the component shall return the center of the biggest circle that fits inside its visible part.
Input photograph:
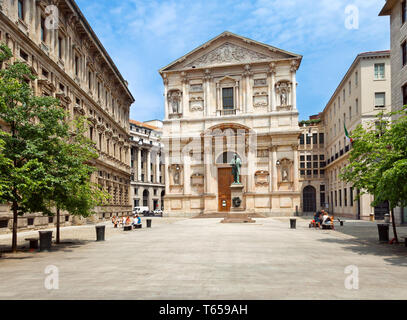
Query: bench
(327, 226)
(33, 243)
(127, 228)
(137, 226)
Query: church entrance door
(225, 179)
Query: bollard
(148, 223)
(293, 223)
(100, 233)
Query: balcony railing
(227, 112)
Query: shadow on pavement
(393, 254)
(23, 252)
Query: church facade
(231, 96)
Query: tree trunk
(15, 220)
(394, 225)
(58, 225)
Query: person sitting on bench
(136, 220)
(327, 220)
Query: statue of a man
(236, 164)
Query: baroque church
(231, 96)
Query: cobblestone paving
(204, 259)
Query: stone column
(166, 98)
(251, 164)
(237, 98)
(271, 175)
(148, 166)
(187, 175)
(138, 164)
(185, 96)
(166, 174)
(275, 174)
(207, 162)
(296, 172)
(294, 85)
(157, 167)
(272, 92)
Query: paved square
(204, 259)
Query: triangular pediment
(229, 49)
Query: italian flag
(347, 134)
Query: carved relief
(228, 53)
(260, 99)
(197, 180)
(262, 178)
(196, 104)
(260, 82)
(196, 88)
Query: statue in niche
(284, 174)
(174, 101)
(176, 175)
(283, 97)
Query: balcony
(226, 112)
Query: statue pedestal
(237, 213)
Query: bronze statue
(236, 164)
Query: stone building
(232, 95)
(397, 10)
(312, 163)
(70, 63)
(363, 92)
(147, 180)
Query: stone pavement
(204, 259)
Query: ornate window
(227, 98)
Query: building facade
(147, 179)
(364, 92)
(231, 96)
(312, 164)
(71, 64)
(397, 10)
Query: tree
(39, 161)
(72, 189)
(378, 161)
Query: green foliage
(43, 163)
(378, 159)
(309, 122)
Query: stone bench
(33, 243)
(327, 226)
(127, 228)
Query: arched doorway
(145, 198)
(309, 199)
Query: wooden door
(225, 179)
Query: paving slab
(186, 259)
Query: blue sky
(143, 36)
